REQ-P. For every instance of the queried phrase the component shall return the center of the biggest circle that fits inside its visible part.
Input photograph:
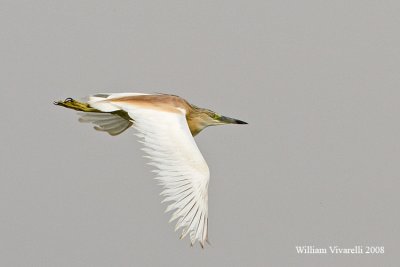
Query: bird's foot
(73, 104)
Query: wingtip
(202, 244)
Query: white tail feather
(99, 101)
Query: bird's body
(166, 125)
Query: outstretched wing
(107, 122)
(180, 167)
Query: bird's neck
(196, 126)
(196, 120)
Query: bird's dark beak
(224, 119)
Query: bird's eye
(215, 116)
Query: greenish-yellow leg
(73, 104)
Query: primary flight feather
(165, 125)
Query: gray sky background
(318, 164)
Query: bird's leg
(73, 104)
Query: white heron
(166, 125)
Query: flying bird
(166, 125)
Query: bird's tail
(107, 119)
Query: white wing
(181, 168)
(107, 122)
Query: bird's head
(217, 119)
(202, 118)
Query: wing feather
(108, 122)
(180, 167)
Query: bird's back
(162, 102)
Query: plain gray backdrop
(318, 164)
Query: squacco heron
(166, 125)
